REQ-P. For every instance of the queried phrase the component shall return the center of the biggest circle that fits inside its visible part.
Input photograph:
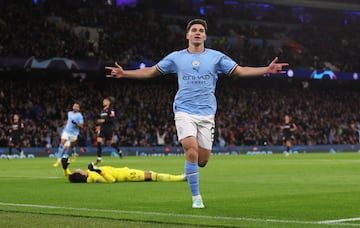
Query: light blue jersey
(358, 130)
(71, 128)
(197, 76)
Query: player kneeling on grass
(109, 174)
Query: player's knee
(191, 156)
(202, 163)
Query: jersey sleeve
(227, 65)
(110, 116)
(80, 119)
(167, 64)
(94, 177)
(67, 173)
(108, 177)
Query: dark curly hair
(77, 178)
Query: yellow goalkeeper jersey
(110, 175)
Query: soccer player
(195, 105)
(16, 129)
(287, 130)
(70, 133)
(356, 127)
(106, 129)
(109, 174)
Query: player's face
(106, 102)
(196, 34)
(15, 118)
(287, 119)
(76, 107)
(82, 172)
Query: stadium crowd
(306, 38)
(249, 113)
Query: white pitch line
(181, 215)
(31, 177)
(339, 220)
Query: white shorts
(202, 127)
(69, 138)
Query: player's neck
(196, 48)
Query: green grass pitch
(302, 190)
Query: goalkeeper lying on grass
(109, 174)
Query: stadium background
(54, 52)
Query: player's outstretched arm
(107, 178)
(118, 72)
(273, 68)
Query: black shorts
(287, 138)
(106, 133)
(15, 139)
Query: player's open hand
(115, 72)
(277, 68)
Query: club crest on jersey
(196, 65)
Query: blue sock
(192, 174)
(65, 153)
(60, 151)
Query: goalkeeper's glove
(65, 162)
(94, 168)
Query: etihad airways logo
(196, 78)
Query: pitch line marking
(327, 222)
(32, 177)
(339, 220)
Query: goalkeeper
(109, 174)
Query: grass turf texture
(303, 190)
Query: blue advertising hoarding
(93, 64)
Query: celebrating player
(356, 127)
(195, 106)
(70, 134)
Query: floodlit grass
(303, 190)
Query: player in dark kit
(16, 129)
(287, 129)
(105, 129)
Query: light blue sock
(60, 151)
(65, 153)
(192, 174)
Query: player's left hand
(116, 72)
(94, 168)
(277, 68)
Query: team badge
(196, 65)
